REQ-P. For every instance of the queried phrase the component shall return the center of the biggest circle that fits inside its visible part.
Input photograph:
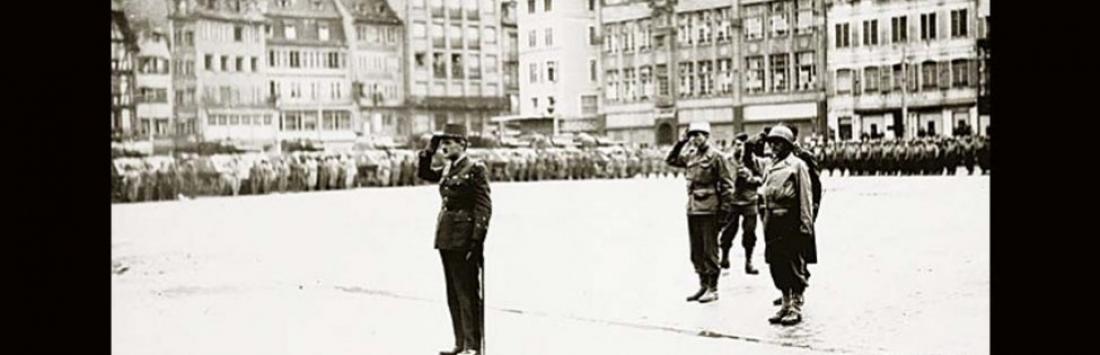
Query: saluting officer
(460, 232)
(710, 195)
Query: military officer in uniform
(789, 223)
(744, 207)
(710, 195)
(460, 233)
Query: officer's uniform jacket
(464, 217)
(787, 190)
(710, 184)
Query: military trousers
(746, 215)
(703, 235)
(463, 297)
(784, 246)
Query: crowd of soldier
(157, 179)
(922, 156)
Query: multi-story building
(308, 72)
(559, 37)
(123, 49)
(453, 63)
(984, 103)
(510, 57)
(376, 44)
(782, 53)
(902, 68)
(218, 82)
(666, 64)
(154, 85)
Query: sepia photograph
(526, 177)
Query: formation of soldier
(168, 178)
(921, 156)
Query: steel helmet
(699, 127)
(783, 133)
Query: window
(240, 64)
(662, 80)
(317, 4)
(456, 36)
(960, 73)
(725, 78)
(189, 38)
(706, 77)
(779, 72)
(295, 59)
(474, 69)
(645, 76)
(419, 30)
(928, 26)
(547, 5)
(456, 66)
(473, 37)
(471, 9)
(238, 33)
(779, 19)
(550, 71)
(804, 23)
(438, 41)
(439, 66)
(437, 8)
(333, 61)
(870, 79)
(420, 61)
(591, 35)
(535, 103)
(290, 32)
(531, 10)
(754, 75)
(928, 74)
(754, 22)
(589, 104)
(534, 73)
(959, 22)
(208, 62)
(843, 38)
(900, 29)
(899, 76)
(612, 92)
(454, 8)
(490, 35)
(843, 81)
(309, 120)
(870, 32)
(549, 36)
(885, 78)
(255, 64)
(532, 38)
(491, 64)
(592, 70)
(225, 63)
(322, 32)
(687, 79)
(807, 73)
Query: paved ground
(585, 267)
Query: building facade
(783, 56)
(376, 46)
(666, 64)
(559, 37)
(510, 63)
(219, 84)
(153, 84)
(123, 50)
(308, 72)
(984, 100)
(902, 69)
(453, 61)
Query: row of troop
(167, 178)
(922, 156)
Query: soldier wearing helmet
(710, 195)
(789, 223)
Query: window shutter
(857, 86)
(884, 84)
(972, 68)
(945, 74)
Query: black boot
(785, 302)
(794, 313)
(702, 289)
(725, 263)
(712, 289)
(748, 263)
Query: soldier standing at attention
(789, 224)
(460, 232)
(744, 206)
(710, 195)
